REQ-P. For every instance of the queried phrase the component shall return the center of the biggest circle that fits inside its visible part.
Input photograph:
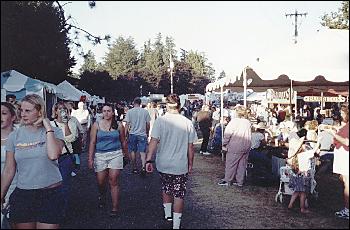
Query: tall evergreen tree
(122, 57)
(222, 75)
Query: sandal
(113, 213)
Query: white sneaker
(223, 183)
(235, 183)
(344, 213)
(206, 153)
(73, 174)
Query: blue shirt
(107, 141)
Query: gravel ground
(207, 205)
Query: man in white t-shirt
(172, 136)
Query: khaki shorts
(108, 160)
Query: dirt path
(207, 205)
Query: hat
(260, 125)
(294, 145)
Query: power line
(296, 14)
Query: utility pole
(171, 65)
(296, 14)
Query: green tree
(222, 75)
(169, 48)
(122, 57)
(197, 62)
(210, 72)
(34, 40)
(337, 20)
(90, 63)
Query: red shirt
(343, 132)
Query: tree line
(128, 72)
(37, 38)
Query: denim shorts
(137, 143)
(37, 205)
(110, 160)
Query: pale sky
(231, 34)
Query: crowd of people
(39, 156)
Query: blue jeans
(137, 143)
(66, 163)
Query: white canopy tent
(14, 82)
(70, 92)
(325, 53)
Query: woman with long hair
(106, 151)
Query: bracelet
(150, 161)
(49, 131)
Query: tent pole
(222, 118)
(290, 99)
(245, 86)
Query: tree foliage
(122, 57)
(34, 40)
(90, 63)
(222, 75)
(337, 20)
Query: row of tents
(14, 82)
(315, 66)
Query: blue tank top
(107, 141)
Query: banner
(283, 97)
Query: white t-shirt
(137, 118)
(174, 133)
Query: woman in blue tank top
(106, 151)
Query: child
(300, 179)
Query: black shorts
(37, 205)
(174, 185)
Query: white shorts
(341, 161)
(111, 160)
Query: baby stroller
(284, 190)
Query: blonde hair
(241, 112)
(37, 101)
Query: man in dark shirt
(204, 119)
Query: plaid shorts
(174, 185)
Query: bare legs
(346, 190)
(133, 160)
(113, 178)
(302, 195)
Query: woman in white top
(66, 159)
(8, 117)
